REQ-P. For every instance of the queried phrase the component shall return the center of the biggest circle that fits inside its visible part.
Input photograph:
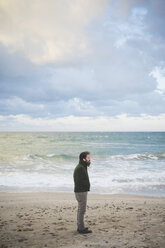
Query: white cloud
(159, 74)
(121, 122)
(18, 105)
(48, 31)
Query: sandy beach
(49, 220)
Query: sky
(82, 65)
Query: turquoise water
(121, 162)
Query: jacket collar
(82, 162)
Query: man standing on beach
(81, 188)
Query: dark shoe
(84, 231)
(84, 228)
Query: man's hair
(83, 155)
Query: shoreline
(48, 219)
(64, 192)
(89, 193)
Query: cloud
(159, 74)
(18, 105)
(74, 123)
(82, 58)
(48, 31)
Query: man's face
(87, 159)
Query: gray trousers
(81, 197)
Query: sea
(121, 162)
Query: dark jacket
(81, 178)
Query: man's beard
(88, 163)
(85, 162)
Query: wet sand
(49, 220)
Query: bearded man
(81, 188)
